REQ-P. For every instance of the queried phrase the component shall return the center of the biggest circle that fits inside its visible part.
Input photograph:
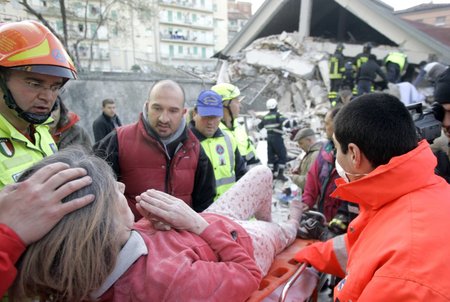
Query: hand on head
(170, 210)
(33, 207)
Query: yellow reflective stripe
(225, 181)
(42, 49)
(230, 151)
(11, 163)
(340, 250)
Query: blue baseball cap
(209, 103)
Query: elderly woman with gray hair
(99, 253)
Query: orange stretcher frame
(283, 267)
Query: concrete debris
(285, 68)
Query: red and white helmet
(30, 46)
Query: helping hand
(33, 207)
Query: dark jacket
(141, 162)
(71, 134)
(369, 71)
(104, 125)
(273, 122)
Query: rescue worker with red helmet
(33, 68)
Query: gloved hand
(338, 225)
(312, 226)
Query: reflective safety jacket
(17, 153)
(336, 66)
(273, 122)
(244, 144)
(397, 58)
(397, 245)
(222, 151)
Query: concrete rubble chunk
(273, 60)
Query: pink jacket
(398, 245)
(181, 266)
(11, 247)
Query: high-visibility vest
(244, 144)
(220, 151)
(398, 58)
(335, 67)
(361, 59)
(17, 153)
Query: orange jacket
(398, 246)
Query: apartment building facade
(108, 36)
(428, 13)
(239, 12)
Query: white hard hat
(271, 104)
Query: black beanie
(442, 88)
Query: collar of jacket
(200, 136)
(315, 147)
(389, 182)
(134, 248)
(72, 119)
(107, 117)
(328, 151)
(148, 129)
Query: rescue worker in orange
(396, 248)
(33, 67)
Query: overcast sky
(396, 4)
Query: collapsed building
(283, 51)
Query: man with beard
(160, 152)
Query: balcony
(187, 4)
(186, 39)
(201, 24)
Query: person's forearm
(11, 247)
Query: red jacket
(145, 165)
(398, 245)
(320, 184)
(11, 247)
(181, 266)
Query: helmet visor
(56, 71)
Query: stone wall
(130, 90)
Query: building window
(215, 7)
(440, 21)
(180, 50)
(202, 3)
(80, 27)
(179, 16)
(59, 26)
(203, 52)
(195, 50)
(194, 17)
(171, 51)
(170, 16)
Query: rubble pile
(281, 67)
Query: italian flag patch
(6, 147)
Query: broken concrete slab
(274, 60)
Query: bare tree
(70, 34)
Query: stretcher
(287, 279)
